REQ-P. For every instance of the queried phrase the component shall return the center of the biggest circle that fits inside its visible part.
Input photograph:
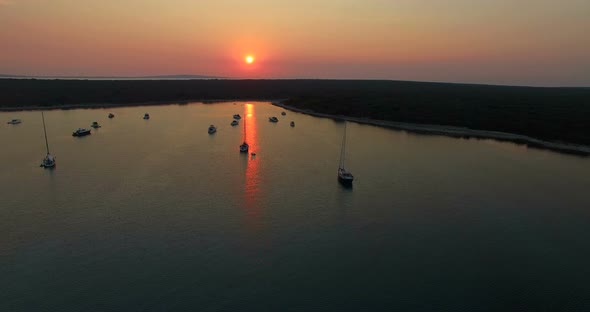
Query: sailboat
(344, 176)
(244, 147)
(49, 160)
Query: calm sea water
(158, 215)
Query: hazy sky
(530, 42)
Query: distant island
(551, 114)
(113, 77)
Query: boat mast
(45, 132)
(343, 148)
(245, 128)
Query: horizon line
(212, 77)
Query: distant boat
(146, 116)
(49, 160)
(111, 115)
(344, 176)
(15, 122)
(234, 123)
(292, 124)
(237, 116)
(81, 132)
(95, 125)
(212, 129)
(244, 147)
(273, 119)
(283, 113)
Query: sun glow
(249, 59)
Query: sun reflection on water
(251, 187)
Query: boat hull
(48, 165)
(244, 148)
(345, 177)
(345, 181)
(48, 162)
(81, 134)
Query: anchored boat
(244, 146)
(344, 176)
(81, 132)
(49, 160)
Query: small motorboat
(212, 129)
(244, 147)
(15, 122)
(95, 125)
(146, 116)
(237, 116)
(234, 123)
(292, 124)
(111, 115)
(283, 113)
(81, 132)
(273, 119)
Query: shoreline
(131, 104)
(82, 106)
(552, 114)
(425, 129)
(452, 131)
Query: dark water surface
(158, 215)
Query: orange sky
(527, 42)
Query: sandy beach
(459, 132)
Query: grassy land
(554, 114)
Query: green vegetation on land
(553, 114)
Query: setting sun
(249, 59)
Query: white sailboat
(49, 160)
(244, 147)
(344, 176)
